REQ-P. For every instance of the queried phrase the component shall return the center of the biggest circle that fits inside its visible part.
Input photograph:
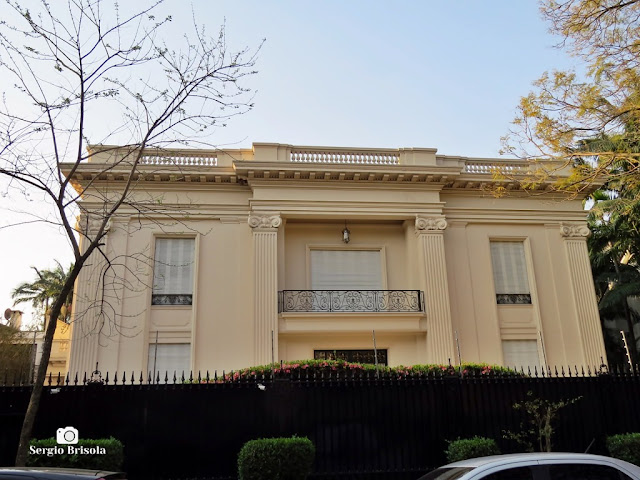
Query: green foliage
(614, 222)
(592, 115)
(319, 367)
(481, 369)
(276, 459)
(464, 448)
(111, 460)
(15, 355)
(538, 427)
(625, 446)
(44, 290)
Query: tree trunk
(36, 393)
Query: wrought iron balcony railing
(388, 301)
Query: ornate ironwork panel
(354, 356)
(513, 298)
(350, 301)
(180, 299)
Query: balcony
(350, 301)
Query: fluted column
(88, 311)
(575, 241)
(265, 249)
(430, 233)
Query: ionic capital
(90, 223)
(264, 221)
(574, 231)
(430, 224)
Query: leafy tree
(43, 291)
(587, 125)
(92, 72)
(587, 122)
(15, 355)
(538, 427)
(614, 221)
(613, 251)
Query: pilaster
(88, 311)
(586, 307)
(265, 246)
(430, 233)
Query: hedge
(464, 448)
(625, 446)
(318, 367)
(276, 459)
(81, 455)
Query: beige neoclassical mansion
(233, 258)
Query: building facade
(227, 259)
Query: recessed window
(169, 358)
(173, 271)
(521, 354)
(510, 273)
(346, 270)
(354, 356)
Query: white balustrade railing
(345, 156)
(474, 166)
(312, 155)
(180, 159)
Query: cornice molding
(444, 177)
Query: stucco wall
(301, 236)
(433, 226)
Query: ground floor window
(521, 354)
(354, 356)
(169, 358)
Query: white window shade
(173, 271)
(346, 270)
(169, 358)
(509, 267)
(521, 354)
(510, 272)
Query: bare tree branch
(72, 63)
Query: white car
(537, 466)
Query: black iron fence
(364, 424)
(387, 301)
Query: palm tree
(614, 251)
(45, 289)
(614, 220)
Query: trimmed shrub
(276, 459)
(625, 446)
(84, 454)
(318, 367)
(475, 369)
(464, 448)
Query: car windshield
(446, 473)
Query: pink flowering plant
(341, 368)
(471, 369)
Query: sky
(364, 73)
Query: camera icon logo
(67, 436)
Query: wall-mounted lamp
(346, 234)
